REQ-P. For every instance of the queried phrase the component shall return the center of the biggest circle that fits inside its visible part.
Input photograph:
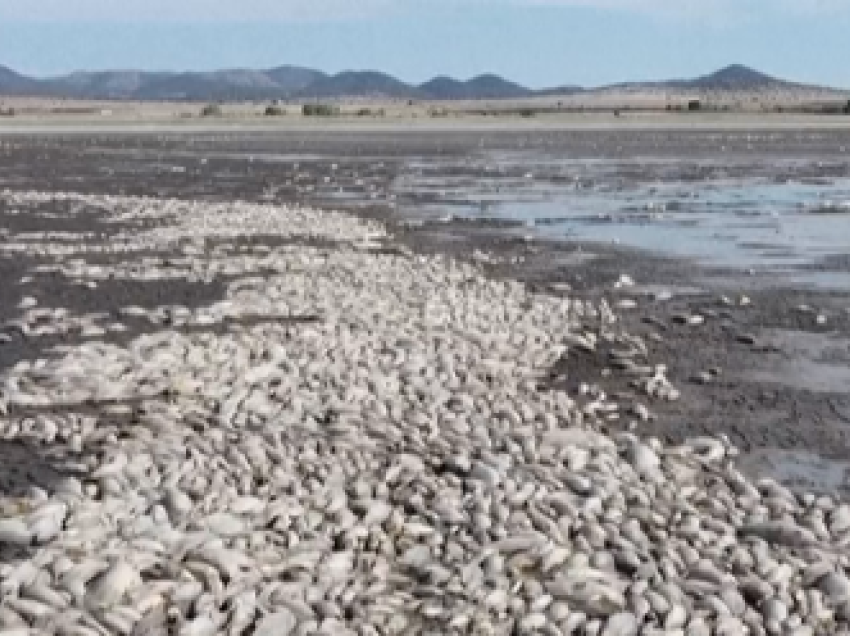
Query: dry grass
(644, 107)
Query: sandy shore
(224, 413)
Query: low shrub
(370, 112)
(274, 111)
(211, 110)
(320, 110)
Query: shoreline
(746, 329)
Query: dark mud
(749, 371)
(768, 366)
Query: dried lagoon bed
(480, 179)
(479, 506)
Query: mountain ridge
(12, 82)
(729, 78)
(288, 82)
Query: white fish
(110, 587)
(45, 523)
(14, 531)
(244, 610)
(281, 623)
(206, 625)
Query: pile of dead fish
(358, 440)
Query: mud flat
(226, 409)
(749, 200)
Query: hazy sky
(537, 42)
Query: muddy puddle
(800, 469)
(817, 362)
(777, 218)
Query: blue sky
(536, 42)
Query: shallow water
(800, 469)
(778, 216)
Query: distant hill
(12, 83)
(292, 79)
(103, 84)
(294, 82)
(735, 77)
(482, 87)
(234, 84)
(360, 84)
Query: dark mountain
(491, 86)
(443, 87)
(293, 82)
(293, 79)
(731, 78)
(103, 84)
(234, 84)
(736, 77)
(201, 86)
(481, 87)
(360, 84)
(12, 83)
